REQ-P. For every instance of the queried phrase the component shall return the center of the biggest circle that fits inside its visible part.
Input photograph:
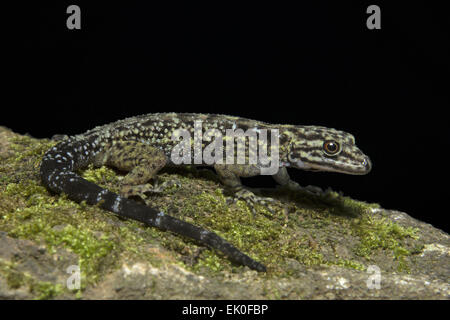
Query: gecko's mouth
(355, 169)
(314, 169)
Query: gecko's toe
(143, 189)
(314, 190)
(136, 190)
(167, 185)
(251, 200)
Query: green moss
(59, 222)
(211, 261)
(16, 279)
(28, 211)
(385, 235)
(86, 245)
(272, 293)
(102, 176)
(45, 290)
(235, 223)
(264, 236)
(338, 204)
(348, 264)
(310, 257)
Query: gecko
(143, 145)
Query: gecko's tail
(57, 173)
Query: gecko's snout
(367, 164)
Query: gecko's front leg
(282, 178)
(230, 175)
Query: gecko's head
(324, 149)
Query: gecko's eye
(331, 147)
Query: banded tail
(58, 174)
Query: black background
(313, 63)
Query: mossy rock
(315, 247)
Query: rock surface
(327, 247)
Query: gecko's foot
(161, 187)
(251, 199)
(143, 189)
(294, 186)
(314, 190)
(59, 137)
(140, 190)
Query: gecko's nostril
(367, 164)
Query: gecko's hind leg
(142, 162)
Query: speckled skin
(142, 145)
